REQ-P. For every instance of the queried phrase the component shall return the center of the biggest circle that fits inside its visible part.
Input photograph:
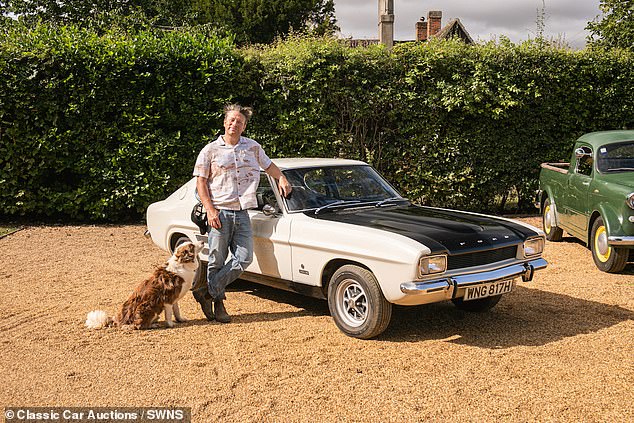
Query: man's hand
(213, 215)
(213, 218)
(284, 186)
(282, 183)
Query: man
(228, 174)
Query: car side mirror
(269, 210)
(581, 153)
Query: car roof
(597, 139)
(293, 163)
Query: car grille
(480, 258)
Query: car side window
(265, 194)
(585, 163)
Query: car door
(577, 192)
(271, 248)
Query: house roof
(454, 28)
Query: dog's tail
(98, 319)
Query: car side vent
(479, 258)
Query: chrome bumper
(621, 240)
(449, 284)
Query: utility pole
(386, 23)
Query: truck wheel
(607, 258)
(357, 304)
(483, 304)
(553, 233)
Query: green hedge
(481, 120)
(450, 124)
(96, 127)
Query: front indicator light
(432, 264)
(533, 247)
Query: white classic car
(347, 236)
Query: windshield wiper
(390, 200)
(336, 204)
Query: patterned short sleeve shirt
(232, 172)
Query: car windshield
(617, 157)
(335, 187)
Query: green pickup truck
(592, 197)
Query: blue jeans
(235, 236)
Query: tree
(252, 21)
(262, 21)
(615, 29)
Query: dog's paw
(181, 319)
(169, 324)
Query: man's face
(235, 123)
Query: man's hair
(247, 112)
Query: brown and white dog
(160, 292)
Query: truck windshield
(618, 157)
(316, 188)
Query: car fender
(610, 217)
(320, 243)
(548, 193)
(164, 220)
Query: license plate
(488, 289)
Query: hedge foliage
(96, 127)
(450, 124)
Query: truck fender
(610, 217)
(547, 193)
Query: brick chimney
(421, 30)
(433, 22)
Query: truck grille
(480, 258)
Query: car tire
(552, 231)
(200, 278)
(357, 304)
(606, 258)
(477, 306)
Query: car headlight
(630, 200)
(533, 247)
(432, 264)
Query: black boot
(204, 299)
(220, 313)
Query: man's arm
(282, 183)
(205, 198)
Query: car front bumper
(621, 240)
(450, 287)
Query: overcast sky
(483, 19)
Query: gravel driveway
(560, 348)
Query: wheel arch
(544, 195)
(547, 193)
(593, 217)
(610, 219)
(173, 238)
(331, 267)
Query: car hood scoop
(441, 230)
